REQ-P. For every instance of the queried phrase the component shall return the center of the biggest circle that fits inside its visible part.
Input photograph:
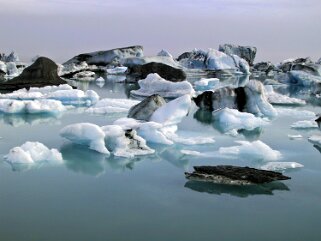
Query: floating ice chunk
(125, 143)
(296, 113)
(47, 89)
(280, 166)
(154, 84)
(316, 140)
(172, 112)
(257, 102)
(303, 78)
(100, 79)
(189, 138)
(256, 150)
(74, 97)
(232, 120)
(86, 134)
(295, 137)
(31, 107)
(72, 68)
(33, 152)
(164, 53)
(193, 153)
(305, 124)
(85, 76)
(117, 70)
(206, 84)
(108, 105)
(217, 60)
(278, 99)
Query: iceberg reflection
(236, 190)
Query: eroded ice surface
(280, 166)
(231, 120)
(279, 99)
(32, 153)
(154, 84)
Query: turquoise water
(91, 197)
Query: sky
(61, 29)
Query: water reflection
(236, 190)
(173, 155)
(80, 159)
(17, 120)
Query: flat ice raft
(234, 175)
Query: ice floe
(117, 70)
(32, 153)
(315, 139)
(305, 124)
(86, 134)
(63, 93)
(295, 137)
(111, 138)
(154, 84)
(280, 166)
(108, 105)
(256, 150)
(206, 84)
(279, 99)
(303, 78)
(31, 107)
(231, 120)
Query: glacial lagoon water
(91, 197)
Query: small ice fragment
(280, 166)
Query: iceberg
(279, 99)
(256, 150)
(295, 137)
(32, 153)
(231, 120)
(303, 78)
(154, 84)
(108, 105)
(31, 107)
(305, 124)
(206, 84)
(117, 70)
(172, 112)
(315, 139)
(280, 166)
(85, 76)
(125, 143)
(86, 134)
(106, 139)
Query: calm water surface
(92, 197)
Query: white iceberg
(315, 139)
(85, 76)
(124, 143)
(32, 153)
(206, 84)
(31, 107)
(172, 112)
(108, 105)
(164, 53)
(117, 70)
(279, 99)
(100, 79)
(257, 102)
(154, 84)
(106, 139)
(280, 166)
(305, 124)
(303, 78)
(86, 134)
(256, 150)
(295, 137)
(231, 120)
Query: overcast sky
(61, 29)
